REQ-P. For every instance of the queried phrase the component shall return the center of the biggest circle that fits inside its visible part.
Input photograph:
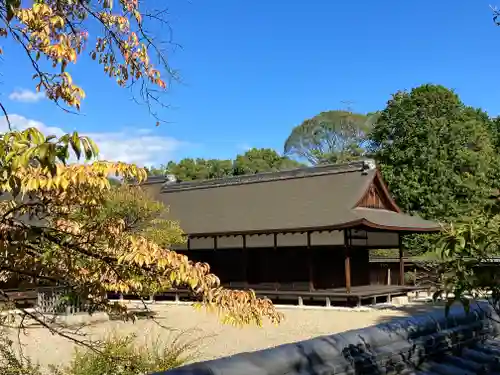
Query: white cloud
(133, 147)
(139, 146)
(26, 96)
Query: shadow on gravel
(415, 309)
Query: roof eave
(412, 229)
(347, 225)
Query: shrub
(115, 355)
(122, 355)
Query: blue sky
(252, 70)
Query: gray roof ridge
(325, 169)
(373, 209)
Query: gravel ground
(218, 340)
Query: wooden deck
(368, 294)
(296, 293)
(366, 291)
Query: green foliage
(262, 160)
(115, 355)
(141, 214)
(121, 355)
(199, 169)
(468, 252)
(384, 253)
(251, 162)
(330, 137)
(437, 155)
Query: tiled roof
(477, 359)
(322, 197)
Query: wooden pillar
(245, 260)
(347, 259)
(275, 251)
(401, 262)
(389, 281)
(310, 262)
(347, 266)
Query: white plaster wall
(225, 242)
(292, 239)
(327, 238)
(201, 243)
(374, 239)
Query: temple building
(304, 233)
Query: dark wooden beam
(245, 259)
(310, 262)
(347, 266)
(275, 250)
(401, 262)
(347, 259)
(215, 243)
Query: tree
(330, 137)
(251, 162)
(141, 215)
(465, 256)
(66, 224)
(261, 160)
(436, 154)
(54, 33)
(199, 169)
(59, 223)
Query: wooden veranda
(358, 295)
